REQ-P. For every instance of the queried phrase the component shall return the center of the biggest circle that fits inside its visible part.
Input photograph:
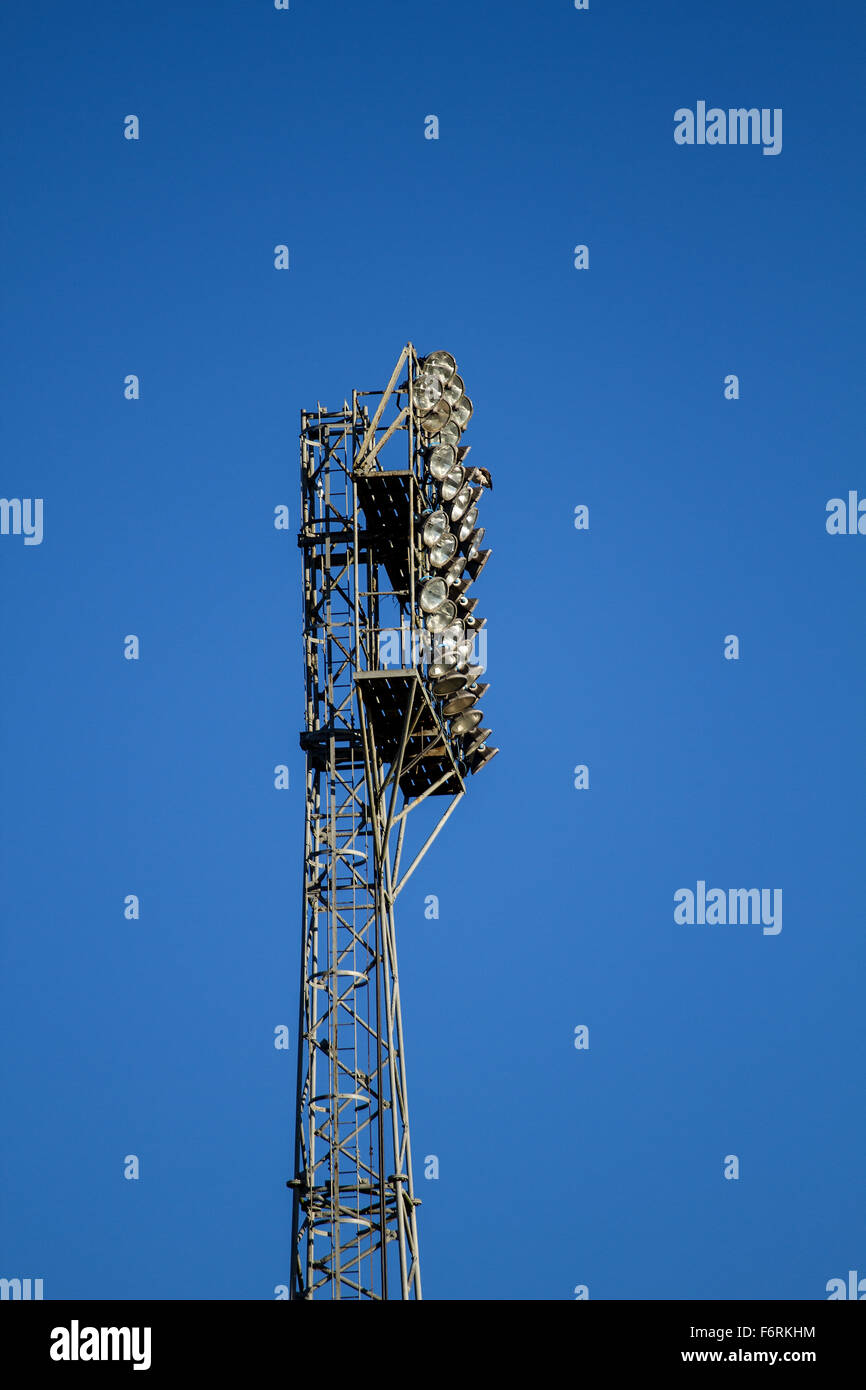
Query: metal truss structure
(377, 748)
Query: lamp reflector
(448, 685)
(442, 617)
(441, 363)
(441, 667)
(454, 572)
(474, 547)
(443, 550)
(456, 704)
(454, 389)
(433, 594)
(428, 392)
(462, 412)
(482, 758)
(467, 525)
(478, 741)
(441, 460)
(462, 502)
(435, 527)
(450, 434)
(452, 483)
(477, 565)
(467, 721)
(434, 421)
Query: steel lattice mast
(377, 747)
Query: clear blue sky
(707, 517)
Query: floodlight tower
(391, 646)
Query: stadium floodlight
(475, 566)
(443, 550)
(456, 704)
(461, 501)
(477, 742)
(453, 540)
(454, 572)
(481, 758)
(467, 497)
(443, 664)
(462, 412)
(450, 434)
(433, 421)
(454, 389)
(428, 393)
(467, 721)
(448, 685)
(446, 643)
(467, 525)
(473, 541)
(464, 650)
(441, 460)
(441, 364)
(452, 483)
(433, 594)
(442, 618)
(435, 527)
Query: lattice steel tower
(392, 649)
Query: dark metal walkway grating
(427, 759)
(384, 499)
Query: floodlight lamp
(433, 421)
(474, 541)
(452, 483)
(462, 412)
(428, 392)
(462, 502)
(441, 460)
(443, 617)
(467, 721)
(443, 550)
(479, 738)
(433, 594)
(449, 434)
(454, 572)
(442, 666)
(435, 527)
(439, 363)
(454, 389)
(467, 525)
(477, 565)
(482, 757)
(449, 685)
(456, 704)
